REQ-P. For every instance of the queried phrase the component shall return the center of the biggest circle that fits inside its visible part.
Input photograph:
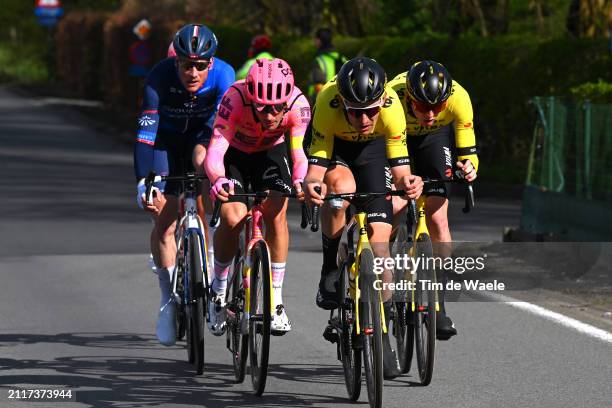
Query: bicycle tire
(425, 319)
(238, 342)
(402, 325)
(350, 356)
(370, 316)
(196, 301)
(181, 318)
(259, 322)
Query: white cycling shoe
(216, 316)
(166, 328)
(280, 323)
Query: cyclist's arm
(465, 139)
(147, 130)
(223, 131)
(394, 128)
(299, 117)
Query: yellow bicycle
(413, 316)
(358, 324)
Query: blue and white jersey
(169, 108)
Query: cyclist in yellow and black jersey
(358, 129)
(436, 108)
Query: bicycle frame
(188, 220)
(421, 228)
(359, 222)
(253, 234)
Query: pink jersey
(237, 126)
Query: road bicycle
(358, 324)
(250, 301)
(413, 315)
(190, 286)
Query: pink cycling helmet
(269, 82)
(171, 52)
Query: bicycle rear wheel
(237, 342)
(350, 356)
(195, 307)
(371, 328)
(259, 322)
(425, 312)
(402, 325)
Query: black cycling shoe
(327, 296)
(445, 328)
(391, 367)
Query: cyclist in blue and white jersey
(180, 101)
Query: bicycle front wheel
(259, 322)
(349, 355)
(371, 328)
(237, 341)
(195, 307)
(425, 312)
(402, 326)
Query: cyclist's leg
(370, 175)
(273, 173)
(231, 221)
(163, 244)
(338, 179)
(198, 145)
(432, 158)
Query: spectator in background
(327, 62)
(260, 45)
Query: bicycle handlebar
(153, 178)
(469, 199)
(257, 195)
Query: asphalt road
(78, 303)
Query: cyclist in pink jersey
(248, 149)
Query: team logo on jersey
(224, 113)
(189, 105)
(227, 102)
(145, 121)
(334, 103)
(388, 102)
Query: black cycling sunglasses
(369, 112)
(186, 65)
(273, 109)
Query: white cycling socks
(219, 283)
(165, 284)
(165, 329)
(278, 275)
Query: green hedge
(500, 73)
(597, 92)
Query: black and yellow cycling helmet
(429, 82)
(361, 81)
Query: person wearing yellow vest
(327, 62)
(260, 45)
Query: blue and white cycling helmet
(195, 41)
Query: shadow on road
(113, 381)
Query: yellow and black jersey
(330, 122)
(458, 110)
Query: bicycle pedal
(330, 335)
